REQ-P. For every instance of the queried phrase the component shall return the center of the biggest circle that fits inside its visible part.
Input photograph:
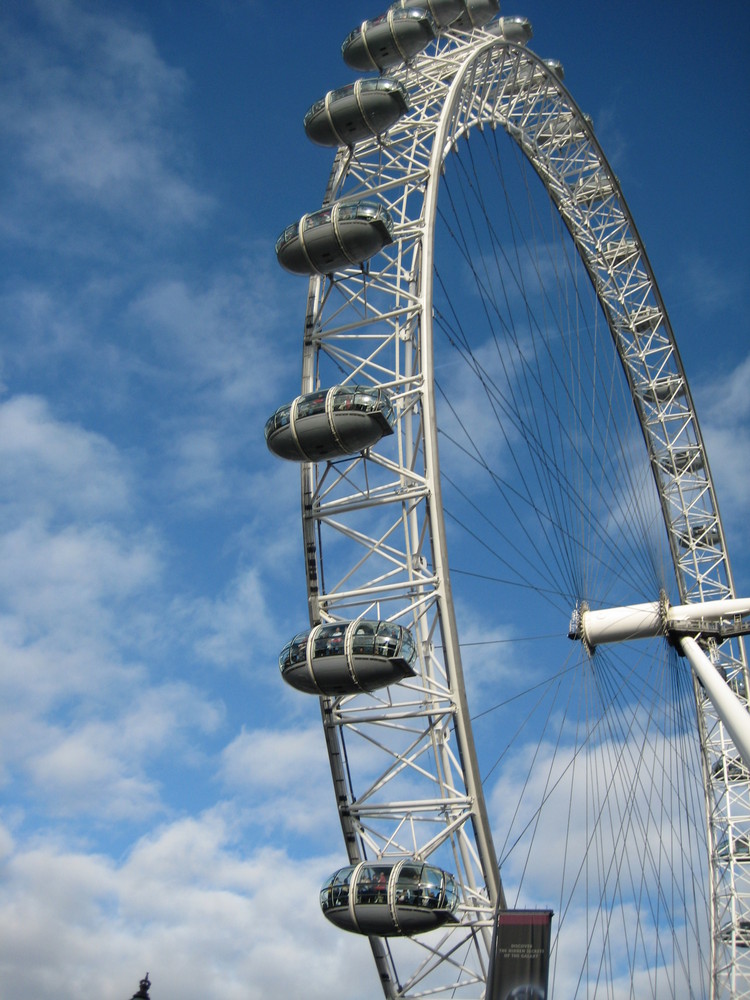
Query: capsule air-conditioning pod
(389, 898)
(342, 658)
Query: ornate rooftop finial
(142, 993)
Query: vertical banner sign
(519, 966)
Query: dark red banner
(519, 966)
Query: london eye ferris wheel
(523, 629)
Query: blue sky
(164, 802)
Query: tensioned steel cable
(636, 510)
(467, 253)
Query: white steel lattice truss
(410, 746)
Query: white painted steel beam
(644, 621)
(732, 712)
(709, 610)
(636, 621)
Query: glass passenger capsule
(596, 187)
(513, 29)
(664, 390)
(443, 12)
(389, 40)
(555, 67)
(739, 849)
(561, 131)
(348, 657)
(733, 767)
(476, 13)
(389, 898)
(701, 535)
(685, 460)
(527, 76)
(463, 14)
(330, 423)
(333, 238)
(737, 933)
(362, 109)
(617, 252)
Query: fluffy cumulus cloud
(102, 742)
(204, 343)
(235, 622)
(188, 903)
(58, 463)
(69, 559)
(103, 767)
(565, 822)
(282, 778)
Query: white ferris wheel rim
(489, 59)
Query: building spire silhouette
(142, 993)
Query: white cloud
(219, 331)
(200, 469)
(470, 412)
(82, 625)
(580, 830)
(214, 344)
(723, 407)
(68, 559)
(82, 776)
(489, 658)
(51, 575)
(706, 285)
(283, 777)
(189, 903)
(186, 375)
(104, 768)
(44, 321)
(89, 111)
(611, 136)
(46, 463)
(238, 627)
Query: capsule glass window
(330, 640)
